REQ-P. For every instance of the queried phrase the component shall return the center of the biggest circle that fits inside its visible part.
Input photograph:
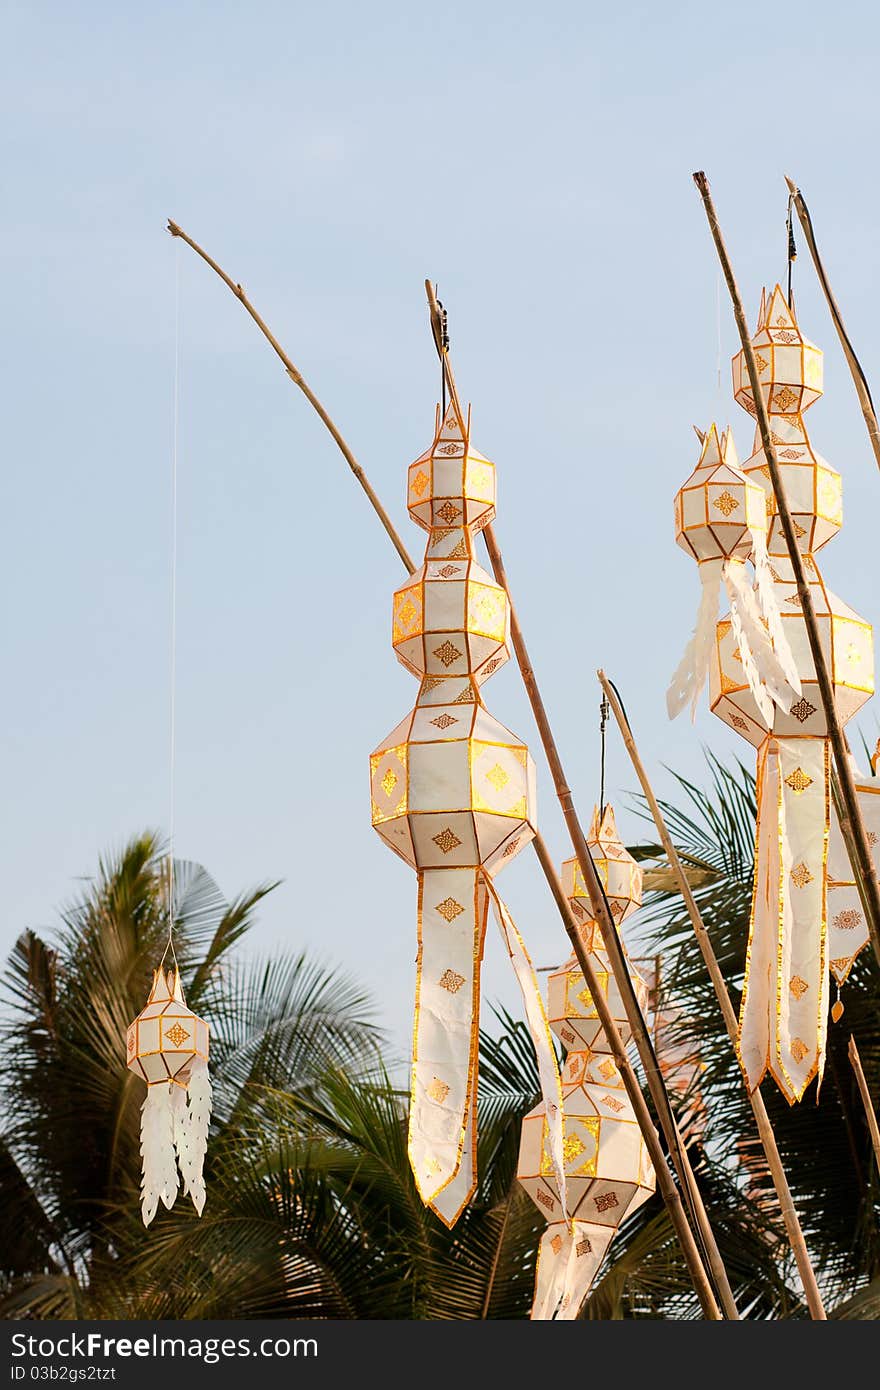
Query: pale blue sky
(536, 161)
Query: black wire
(604, 711)
(792, 248)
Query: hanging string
(718, 329)
(169, 945)
(604, 711)
(792, 248)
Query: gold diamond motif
(545, 1199)
(583, 1247)
(847, 920)
(606, 1201)
(840, 964)
(556, 1244)
(451, 980)
(799, 1049)
(447, 653)
(176, 1035)
(443, 721)
(613, 1103)
(797, 987)
(498, 777)
(607, 1069)
(738, 722)
(786, 337)
(438, 1090)
(131, 1040)
(419, 483)
(448, 571)
(802, 709)
(801, 876)
(449, 909)
(791, 453)
(511, 848)
(448, 512)
(389, 782)
(447, 840)
(785, 399)
(762, 364)
(798, 781)
(449, 449)
(726, 503)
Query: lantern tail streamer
(690, 675)
(764, 598)
(199, 1122)
(180, 1130)
(542, 1039)
(762, 662)
(159, 1172)
(452, 925)
(569, 1257)
(783, 1020)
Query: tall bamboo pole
(870, 1113)
(859, 379)
(670, 1193)
(598, 901)
(862, 863)
(762, 1119)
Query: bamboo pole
(296, 377)
(668, 1190)
(859, 379)
(762, 1119)
(870, 1113)
(862, 863)
(598, 901)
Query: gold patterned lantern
(721, 520)
(570, 1005)
(608, 1175)
(167, 1045)
(783, 1018)
(847, 924)
(453, 794)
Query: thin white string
(718, 327)
(173, 601)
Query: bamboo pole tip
(792, 186)
(701, 181)
(173, 228)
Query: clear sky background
(536, 161)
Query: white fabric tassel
(766, 658)
(159, 1170)
(180, 1129)
(198, 1124)
(542, 1038)
(765, 597)
(690, 675)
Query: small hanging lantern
(571, 1010)
(167, 1045)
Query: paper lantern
(783, 1017)
(721, 520)
(570, 1006)
(167, 1045)
(608, 1175)
(453, 794)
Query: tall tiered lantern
(608, 1173)
(453, 793)
(783, 1019)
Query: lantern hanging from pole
(453, 794)
(783, 1017)
(167, 1045)
(608, 1173)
